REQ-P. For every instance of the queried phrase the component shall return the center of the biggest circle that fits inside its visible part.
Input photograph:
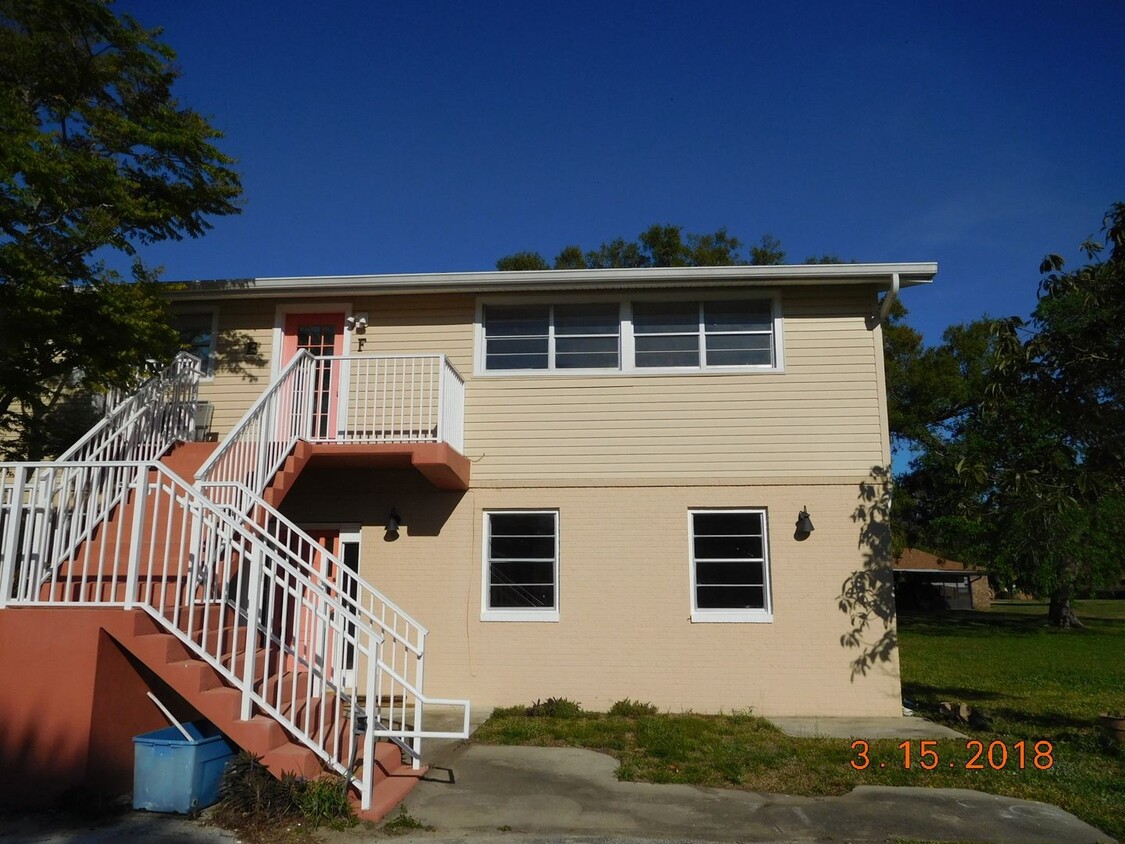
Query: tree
(1028, 479)
(656, 246)
(931, 390)
(96, 156)
(519, 261)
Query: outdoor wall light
(804, 523)
(357, 323)
(251, 348)
(394, 521)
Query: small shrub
(249, 789)
(627, 708)
(555, 707)
(403, 823)
(258, 805)
(325, 800)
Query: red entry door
(323, 336)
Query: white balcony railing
(353, 399)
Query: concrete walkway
(865, 728)
(536, 795)
(531, 794)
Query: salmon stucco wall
(71, 701)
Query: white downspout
(889, 299)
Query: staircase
(294, 657)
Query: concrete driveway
(536, 793)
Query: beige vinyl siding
(420, 325)
(397, 325)
(822, 416)
(239, 378)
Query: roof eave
(880, 275)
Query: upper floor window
(552, 336)
(197, 335)
(719, 333)
(630, 336)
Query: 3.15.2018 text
(978, 756)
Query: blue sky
(422, 136)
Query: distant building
(927, 581)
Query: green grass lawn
(1032, 684)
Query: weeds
(555, 707)
(325, 800)
(403, 823)
(627, 708)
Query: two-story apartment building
(584, 483)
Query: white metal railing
(345, 399)
(389, 399)
(257, 446)
(402, 657)
(143, 426)
(278, 629)
(140, 427)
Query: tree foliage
(1020, 426)
(96, 156)
(932, 390)
(656, 246)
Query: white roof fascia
(533, 280)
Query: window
(197, 335)
(666, 333)
(521, 566)
(721, 333)
(552, 336)
(587, 336)
(632, 336)
(729, 566)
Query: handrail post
(12, 528)
(263, 461)
(308, 410)
(416, 761)
(441, 399)
(253, 612)
(374, 657)
(140, 501)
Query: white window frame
(211, 365)
(627, 346)
(552, 337)
(737, 616)
(547, 614)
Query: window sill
(629, 373)
(520, 615)
(731, 617)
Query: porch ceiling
(441, 464)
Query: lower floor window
(730, 565)
(521, 566)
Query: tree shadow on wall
(238, 353)
(867, 596)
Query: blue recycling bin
(172, 774)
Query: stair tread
(197, 680)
